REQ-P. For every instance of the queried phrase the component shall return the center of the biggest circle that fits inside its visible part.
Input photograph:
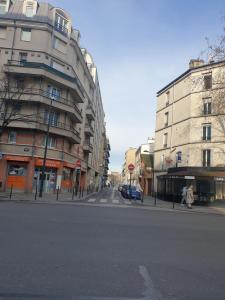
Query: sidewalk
(46, 198)
(218, 207)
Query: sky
(139, 46)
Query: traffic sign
(131, 167)
(78, 164)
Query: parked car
(125, 191)
(134, 193)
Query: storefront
(208, 184)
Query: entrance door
(49, 185)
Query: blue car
(134, 194)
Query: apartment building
(49, 91)
(144, 172)
(129, 159)
(190, 136)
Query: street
(109, 252)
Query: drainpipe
(13, 41)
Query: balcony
(90, 113)
(43, 70)
(61, 29)
(56, 128)
(88, 129)
(45, 98)
(87, 147)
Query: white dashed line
(91, 200)
(103, 201)
(115, 201)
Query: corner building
(190, 136)
(53, 79)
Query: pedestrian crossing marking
(127, 202)
(103, 201)
(91, 200)
(115, 201)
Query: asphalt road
(91, 252)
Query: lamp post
(45, 151)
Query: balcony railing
(37, 65)
(62, 29)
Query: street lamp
(46, 151)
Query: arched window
(62, 22)
(30, 8)
(4, 6)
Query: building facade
(190, 136)
(49, 92)
(144, 172)
(129, 159)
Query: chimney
(196, 63)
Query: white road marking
(113, 193)
(91, 200)
(103, 200)
(115, 201)
(127, 202)
(150, 291)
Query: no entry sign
(131, 167)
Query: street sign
(131, 167)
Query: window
(208, 81)
(53, 120)
(23, 57)
(61, 24)
(16, 170)
(166, 119)
(59, 45)
(57, 66)
(53, 93)
(2, 32)
(26, 35)
(206, 158)
(12, 137)
(51, 142)
(4, 6)
(167, 98)
(207, 106)
(206, 132)
(20, 84)
(30, 8)
(165, 140)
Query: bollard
(173, 202)
(73, 194)
(155, 198)
(82, 193)
(36, 191)
(11, 190)
(57, 194)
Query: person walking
(190, 197)
(140, 190)
(184, 195)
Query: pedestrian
(184, 195)
(190, 196)
(140, 190)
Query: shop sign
(16, 158)
(189, 177)
(172, 177)
(49, 163)
(219, 178)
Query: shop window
(206, 132)
(66, 174)
(12, 137)
(4, 6)
(16, 170)
(206, 158)
(26, 34)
